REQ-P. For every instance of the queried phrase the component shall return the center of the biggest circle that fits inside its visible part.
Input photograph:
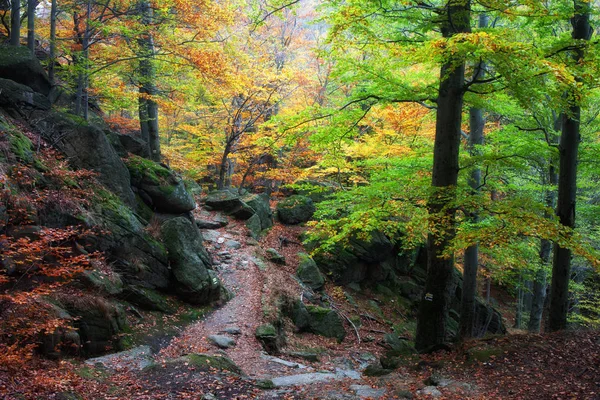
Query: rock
(20, 65)
(410, 289)
(87, 147)
(147, 299)
(166, 189)
(310, 378)
(390, 362)
(134, 145)
(205, 224)
(289, 364)
(139, 258)
(201, 361)
(15, 95)
(232, 244)
(260, 204)
(254, 226)
(189, 261)
(274, 256)
(399, 346)
(63, 340)
(223, 342)
(431, 391)
(367, 392)
(295, 209)
(211, 235)
(404, 394)
(98, 321)
(224, 200)
(325, 322)
(376, 370)
(309, 273)
(193, 187)
(265, 384)
(233, 330)
(221, 219)
(270, 337)
(314, 357)
(134, 359)
(371, 259)
(109, 283)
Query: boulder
(109, 283)
(86, 146)
(260, 204)
(254, 226)
(309, 273)
(165, 189)
(206, 224)
(224, 200)
(275, 257)
(398, 346)
(20, 65)
(134, 145)
(139, 258)
(15, 95)
(221, 341)
(295, 209)
(193, 280)
(372, 258)
(147, 299)
(98, 321)
(318, 320)
(270, 337)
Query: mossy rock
(295, 210)
(309, 273)
(326, 322)
(270, 337)
(376, 370)
(221, 363)
(254, 226)
(20, 146)
(108, 283)
(264, 384)
(399, 346)
(20, 65)
(274, 256)
(14, 95)
(165, 190)
(147, 299)
(484, 355)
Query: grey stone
(20, 65)
(193, 281)
(309, 273)
(289, 364)
(431, 391)
(134, 359)
(13, 94)
(205, 224)
(223, 342)
(233, 330)
(367, 392)
(307, 379)
(270, 337)
(260, 204)
(295, 209)
(232, 244)
(399, 346)
(211, 235)
(274, 256)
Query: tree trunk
(147, 84)
(433, 310)
(567, 180)
(15, 22)
(471, 258)
(540, 282)
(31, 6)
(52, 64)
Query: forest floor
(517, 366)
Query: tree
(567, 178)
(31, 7)
(434, 307)
(15, 22)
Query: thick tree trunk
(31, 6)
(15, 22)
(433, 310)
(148, 90)
(540, 282)
(52, 64)
(471, 257)
(567, 181)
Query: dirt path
(234, 255)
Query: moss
(143, 169)
(265, 384)
(266, 331)
(318, 312)
(91, 373)
(484, 355)
(20, 146)
(218, 362)
(142, 209)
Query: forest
(299, 199)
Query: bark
(540, 283)
(52, 64)
(433, 310)
(15, 22)
(471, 257)
(148, 111)
(567, 180)
(31, 6)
